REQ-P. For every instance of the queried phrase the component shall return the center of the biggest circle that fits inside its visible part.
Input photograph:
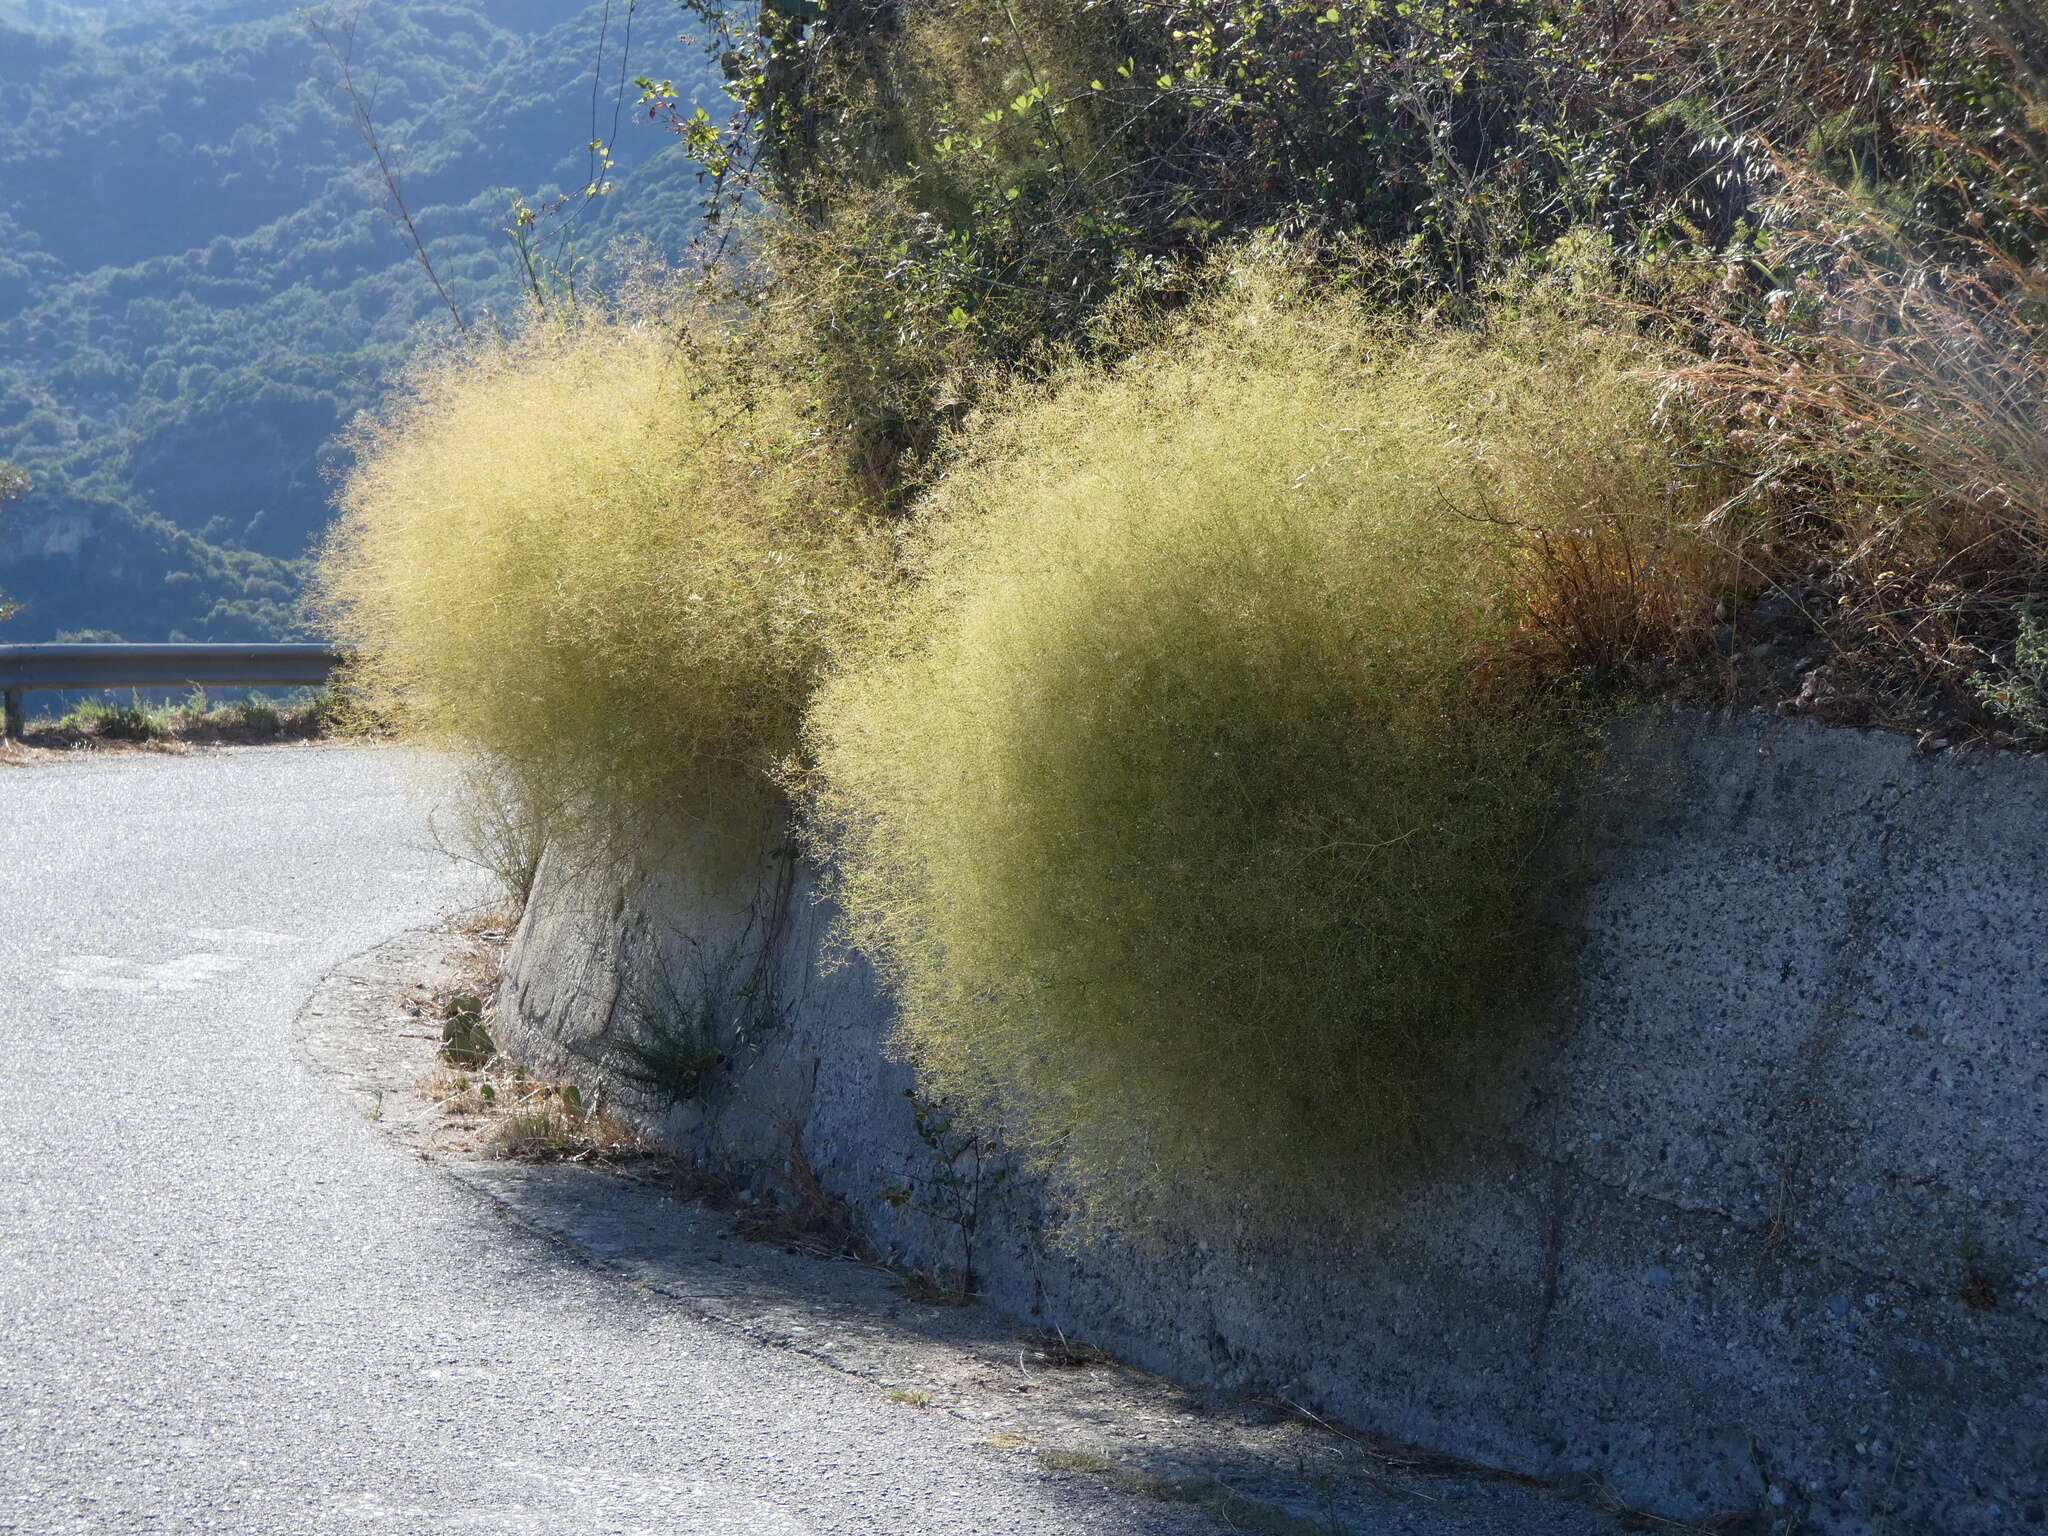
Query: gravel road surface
(227, 1303)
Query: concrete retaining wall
(1763, 1225)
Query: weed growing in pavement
(259, 715)
(2018, 690)
(465, 1039)
(526, 1119)
(517, 1115)
(133, 721)
(950, 1189)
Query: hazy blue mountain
(200, 280)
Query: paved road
(227, 1306)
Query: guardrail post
(11, 724)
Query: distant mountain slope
(200, 283)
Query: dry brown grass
(490, 1101)
(1883, 411)
(527, 1119)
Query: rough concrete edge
(847, 1317)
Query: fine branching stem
(342, 51)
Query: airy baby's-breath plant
(1188, 799)
(593, 554)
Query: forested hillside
(202, 279)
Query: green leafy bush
(2019, 691)
(1188, 800)
(133, 721)
(1832, 212)
(1016, 164)
(590, 553)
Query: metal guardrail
(26, 667)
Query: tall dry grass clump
(1888, 398)
(1189, 798)
(593, 554)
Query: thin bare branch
(342, 51)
